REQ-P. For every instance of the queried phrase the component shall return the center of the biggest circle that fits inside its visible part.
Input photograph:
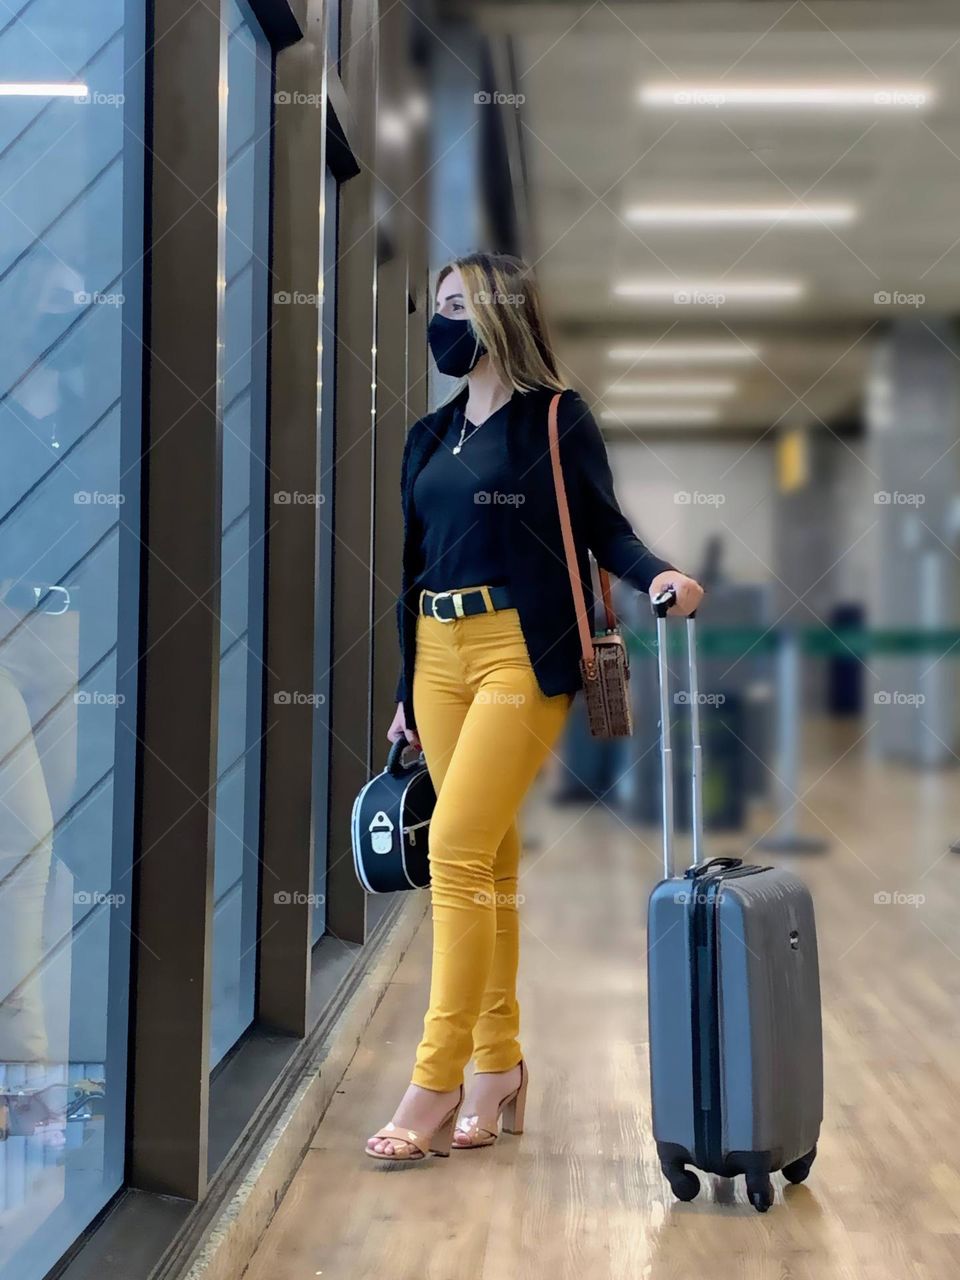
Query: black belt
(447, 606)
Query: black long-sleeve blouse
(457, 512)
(536, 567)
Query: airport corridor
(580, 1193)
(353, 345)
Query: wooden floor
(580, 1194)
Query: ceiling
(592, 149)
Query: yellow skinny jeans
(486, 728)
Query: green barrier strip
(727, 642)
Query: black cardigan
(539, 583)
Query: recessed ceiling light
(722, 93)
(11, 89)
(667, 352)
(660, 414)
(703, 215)
(677, 387)
(710, 292)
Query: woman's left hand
(689, 592)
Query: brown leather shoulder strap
(610, 618)
(569, 547)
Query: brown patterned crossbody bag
(604, 665)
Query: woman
(490, 664)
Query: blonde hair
(503, 303)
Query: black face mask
(454, 345)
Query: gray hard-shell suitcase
(736, 1054)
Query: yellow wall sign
(793, 460)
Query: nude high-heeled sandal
(477, 1131)
(418, 1145)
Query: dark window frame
(190, 1133)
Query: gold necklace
(464, 437)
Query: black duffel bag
(391, 825)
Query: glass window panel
(244, 199)
(323, 619)
(333, 31)
(71, 235)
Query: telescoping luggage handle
(661, 603)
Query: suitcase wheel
(684, 1183)
(798, 1170)
(760, 1192)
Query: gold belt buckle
(457, 599)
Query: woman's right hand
(398, 729)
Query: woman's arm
(407, 534)
(610, 535)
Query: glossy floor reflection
(580, 1193)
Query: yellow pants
(486, 728)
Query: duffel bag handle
(395, 765)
